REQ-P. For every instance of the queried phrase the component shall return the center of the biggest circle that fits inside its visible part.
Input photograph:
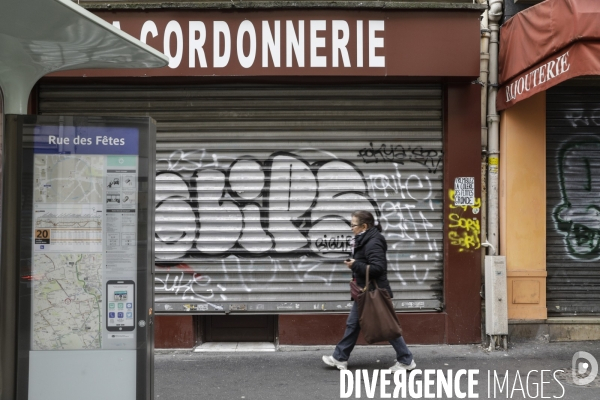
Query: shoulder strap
(367, 287)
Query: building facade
(275, 122)
(549, 152)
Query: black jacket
(370, 249)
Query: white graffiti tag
(285, 205)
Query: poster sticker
(464, 191)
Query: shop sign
(266, 40)
(543, 74)
(302, 42)
(546, 45)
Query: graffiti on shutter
(573, 205)
(290, 210)
(577, 216)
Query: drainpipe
(484, 59)
(494, 14)
(484, 62)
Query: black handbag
(377, 317)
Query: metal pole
(9, 256)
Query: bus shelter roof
(42, 36)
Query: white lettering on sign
(374, 43)
(338, 44)
(271, 44)
(538, 76)
(294, 43)
(148, 27)
(246, 27)
(220, 28)
(173, 27)
(316, 42)
(327, 43)
(464, 191)
(197, 28)
(109, 141)
(359, 44)
(77, 140)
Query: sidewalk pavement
(297, 373)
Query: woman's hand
(349, 262)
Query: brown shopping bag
(378, 320)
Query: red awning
(545, 45)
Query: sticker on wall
(464, 191)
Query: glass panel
(84, 256)
(84, 229)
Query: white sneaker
(399, 366)
(332, 362)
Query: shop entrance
(573, 153)
(255, 185)
(238, 328)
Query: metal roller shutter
(573, 199)
(256, 183)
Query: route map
(68, 178)
(69, 221)
(68, 227)
(67, 301)
(75, 226)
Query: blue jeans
(346, 345)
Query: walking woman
(370, 249)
